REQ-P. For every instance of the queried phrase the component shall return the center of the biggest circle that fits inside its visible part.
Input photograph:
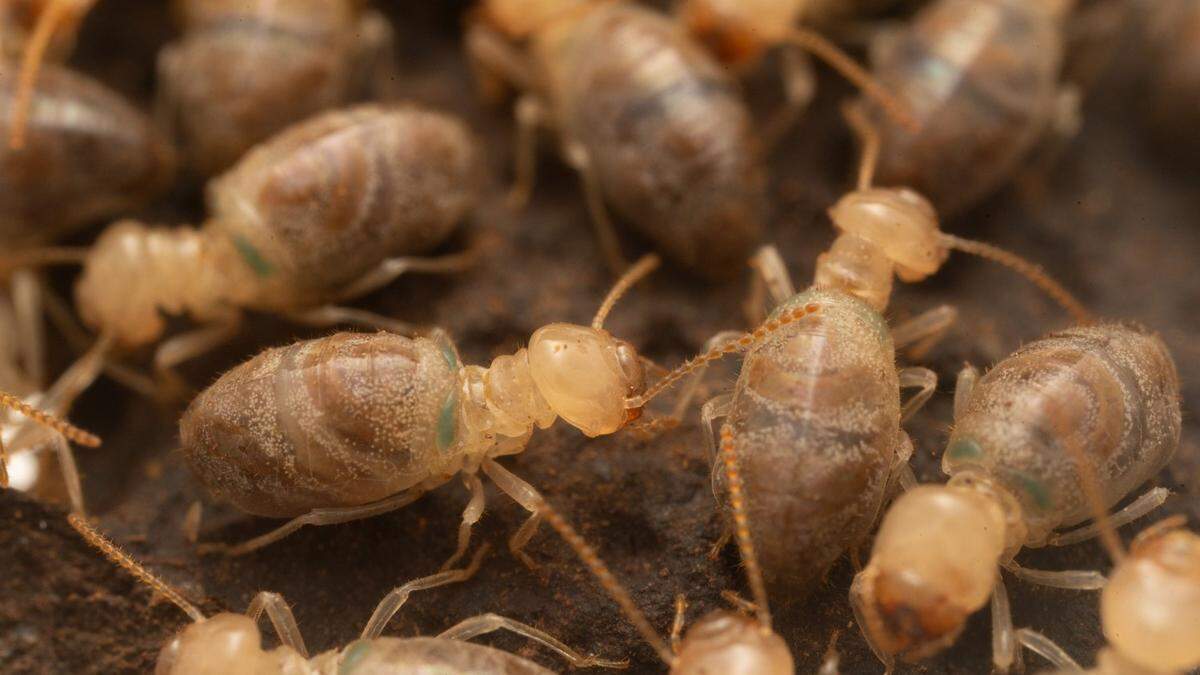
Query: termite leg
(495, 63)
(1005, 654)
(1139, 507)
(1075, 580)
(963, 386)
(916, 336)
(901, 475)
(471, 515)
(335, 315)
(771, 273)
(799, 88)
(524, 494)
(387, 271)
(395, 599)
(487, 623)
(916, 377)
(330, 516)
(190, 345)
(31, 336)
(606, 233)
(281, 618)
(679, 621)
(529, 115)
(1047, 649)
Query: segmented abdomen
(88, 154)
(431, 655)
(668, 135)
(980, 75)
(1109, 392)
(343, 420)
(816, 415)
(327, 200)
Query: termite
(330, 209)
(816, 409)
(1104, 395)
(244, 71)
(231, 643)
(982, 79)
(1171, 76)
(739, 32)
(1149, 609)
(655, 127)
(62, 432)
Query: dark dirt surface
(1115, 221)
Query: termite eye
(631, 367)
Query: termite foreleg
(524, 494)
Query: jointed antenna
(35, 52)
(737, 503)
(609, 582)
(115, 554)
(68, 430)
(636, 272)
(868, 137)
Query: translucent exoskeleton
(231, 644)
(816, 410)
(1172, 76)
(655, 127)
(61, 431)
(328, 210)
(1149, 609)
(739, 32)
(222, 85)
(1104, 398)
(981, 78)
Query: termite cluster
(313, 186)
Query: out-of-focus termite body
(231, 644)
(1149, 609)
(223, 84)
(1172, 74)
(328, 210)
(655, 127)
(982, 79)
(739, 32)
(1105, 396)
(816, 410)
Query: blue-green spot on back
(354, 655)
(252, 257)
(964, 448)
(1033, 487)
(448, 353)
(447, 427)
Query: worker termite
(651, 122)
(63, 432)
(330, 209)
(739, 32)
(1148, 609)
(981, 77)
(221, 85)
(816, 409)
(1107, 395)
(231, 643)
(720, 642)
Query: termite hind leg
(70, 473)
(606, 233)
(471, 515)
(530, 114)
(281, 618)
(487, 623)
(963, 386)
(395, 599)
(335, 315)
(1047, 649)
(901, 476)
(769, 271)
(318, 517)
(171, 353)
(1074, 580)
(799, 88)
(716, 408)
(916, 336)
(923, 379)
(1139, 507)
(388, 270)
(1005, 655)
(524, 494)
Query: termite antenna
(53, 422)
(744, 343)
(53, 16)
(635, 273)
(119, 557)
(840, 61)
(1086, 468)
(609, 582)
(868, 138)
(1025, 268)
(741, 523)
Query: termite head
(226, 644)
(585, 375)
(1151, 605)
(520, 19)
(738, 31)
(934, 563)
(900, 222)
(732, 644)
